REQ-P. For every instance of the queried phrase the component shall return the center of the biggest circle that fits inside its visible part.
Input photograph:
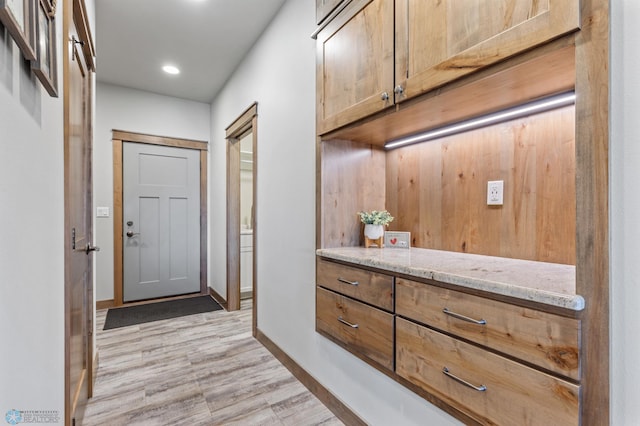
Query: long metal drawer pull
(342, 280)
(347, 323)
(464, 318)
(480, 388)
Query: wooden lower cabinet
(547, 340)
(366, 286)
(486, 386)
(360, 328)
(487, 361)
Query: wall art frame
(45, 66)
(51, 6)
(397, 239)
(18, 17)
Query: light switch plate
(102, 211)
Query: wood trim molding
(117, 222)
(84, 34)
(118, 138)
(204, 230)
(218, 298)
(104, 304)
(159, 140)
(233, 223)
(592, 207)
(247, 121)
(241, 124)
(337, 407)
(254, 286)
(94, 374)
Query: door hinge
(73, 239)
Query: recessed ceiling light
(170, 69)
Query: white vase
(373, 232)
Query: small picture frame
(45, 66)
(396, 239)
(18, 17)
(50, 6)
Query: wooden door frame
(246, 122)
(118, 138)
(74, 14)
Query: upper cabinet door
(324, 8)
(355, 64)
(439, 41)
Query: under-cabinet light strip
(542, 105)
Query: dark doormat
(131, 315)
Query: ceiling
(205, 39)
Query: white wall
(280, 75)
(120, 108)
(624, 210)
(31, 237)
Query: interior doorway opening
(246, 216)
(121, 227)
(242, 227)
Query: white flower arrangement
(376, 217)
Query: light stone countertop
(547, 283)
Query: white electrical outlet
(495, 189)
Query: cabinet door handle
(480, 388)
(342, 280)
(384, 96)
(347, 323)
(398, 90)
(464, 318)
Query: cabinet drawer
(361, 328)
(513, 394)
(370, 287)
(548, 340)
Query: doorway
(161, 211)
(78, 69)
(242, 226)
(246, 216)
(160, 217)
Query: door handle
(91, 248)
(131, 234)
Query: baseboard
(337, 407)
(105, 304)
(94, 373)
(246, 294)
(221, 300)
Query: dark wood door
(78, 220)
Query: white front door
(161, 214)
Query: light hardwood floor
(203, 369)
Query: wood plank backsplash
(353, 180)
(438, 190)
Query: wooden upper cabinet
(324, 8)
(439, 41)
(355, 64)
(380, 52)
